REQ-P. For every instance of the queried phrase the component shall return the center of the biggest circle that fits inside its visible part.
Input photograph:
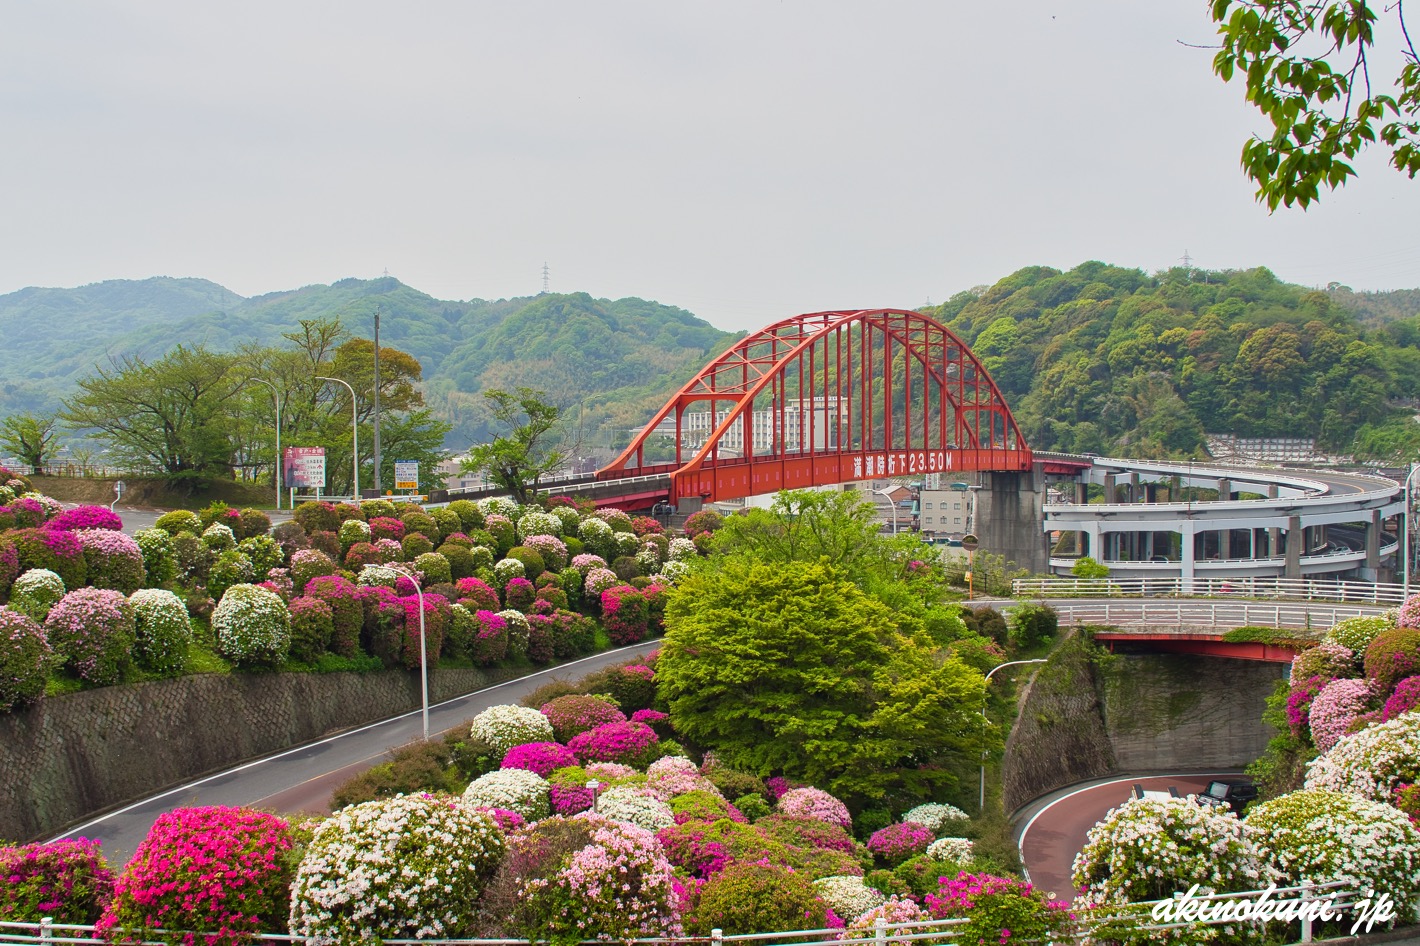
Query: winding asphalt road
(301, 780)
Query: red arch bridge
(818, 399)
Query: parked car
(1233, 794)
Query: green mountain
(611, 362)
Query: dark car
(1227, 793)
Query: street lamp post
(423, 653)
(1010, 663)
(887, 494)
(276, 395)
(1405, 539)
(378, 485)
(354, 439)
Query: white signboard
(406, 474)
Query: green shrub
(1393, 656)
(219, 537)
(418, 767)
(459, 557)
(470, 518)
(756, 898)
(291, 536)
(417, 520)
(263, 552)
(753, 806)
(162, 629)
(312, 626)
(254, 523)
(374, 508)
(434, 567)
(533, 565)
(231, 568)
(415, 544)
(316, 516)
(327, 542)
(448, 522)
(180, 520)
(194, 558)
(1031, 623)
(159, 556)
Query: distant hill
(611, 361)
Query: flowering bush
(953, 850)
(93, 629)
(1357, 633)
(1372, 762)
(599, 580)
(1327, 659)
(514, 789)
(219, 537)
(936, 817)
(703, 805)
(68, 881)
(312, 625)
(54, 549)
(219, 871)
(264, 553)
(814, 803)
(1393, 656)
(252, 626)
(506, 570)
(507, 725)
(1336, 707)
(576, 713)
(381, 576)
(411, 866)
(1405, 698)
(1409, 614)
(998, 909)
(893, 911)
(1300, 696)
(676, 775)
(635, 805)
(848, 896)
(552, 549)
(1321, 836)
(386, 527)
(625, 614)
(346, 614)
(1147, 849)
(499, 506)
(478, 595)
(179, 520)
(162, 629)
(352, 531)
(230, 568)
(585, 562)
(540, 757)
(87, 517)
(24, 664)
(897, 842)
(613, 742)
(757, 898)
(112, 559)
(518, 594)
(35, 592)
(615, 883)
(681, 550)
(538, 523)
(307, 564)
(27, 512)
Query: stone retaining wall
(69, 757)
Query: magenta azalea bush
(998, 909)
(576, 713)
(216, 871)
(24, 661)
(613, 742)
(87, 517)
(1403, 699)
(897, 842)
(68, 881)
(93, 629)
(541, 757)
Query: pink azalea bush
(24, 661)
(552, 549)
(540, 757)
(386, 527)
(491, 642)
(476, 595)
(1327, 659)
(112, 560)
(897, 842)
(613, 742)
(576, 713)
(94, 629)
(346, 615)
(1393, 656)
(817, 804)
(1403, 699)
(1335, 708)
(215, 871)
(625, 614)
(66, 880)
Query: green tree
(30, 437)
(517, 460)
(169, 417)
(1307, 68)
(791, 667)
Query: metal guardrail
(1338, 893)
(1201, 614)
(1302, 589)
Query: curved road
(300, 780)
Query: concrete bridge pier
(1009, 510)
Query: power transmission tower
(546, 280)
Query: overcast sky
(744, 160)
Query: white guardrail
(1296, 589)
(1203, 614)
(1340, 898)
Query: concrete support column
(1373, 545)
(1296, 539)
(1271, 490)
(1109, 496)
(1133, 487)
(1225, 489)
(1186, 557)
(1082, 492)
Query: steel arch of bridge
(845, 396)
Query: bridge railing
(1300, 589)
(1206, 614)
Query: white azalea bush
(411, 866)
(163, 630)
(35, 592)
(252, 626)
(681, 549)
(953, 850)
(1356, 633)
(507, 725)
(848, 896)
(519, 629)
(1148, 849)
(634, 805)
(1372, 763)
(539, 523)
(1321, 836)
(507, 569)
(499, 506)
(519, 790)
(219, 538)
(377, 575)
(673, 572)
(935, 817)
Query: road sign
(305, 467)
(406, 474)
(970, 542)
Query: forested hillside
(1108, 360)
(608, 363)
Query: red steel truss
(829, 397)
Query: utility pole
(379, 486)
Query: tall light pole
(276, 395)
(423, 653)
(379, 487)
(1405, 544)
(1010, 663)
(354, 439)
